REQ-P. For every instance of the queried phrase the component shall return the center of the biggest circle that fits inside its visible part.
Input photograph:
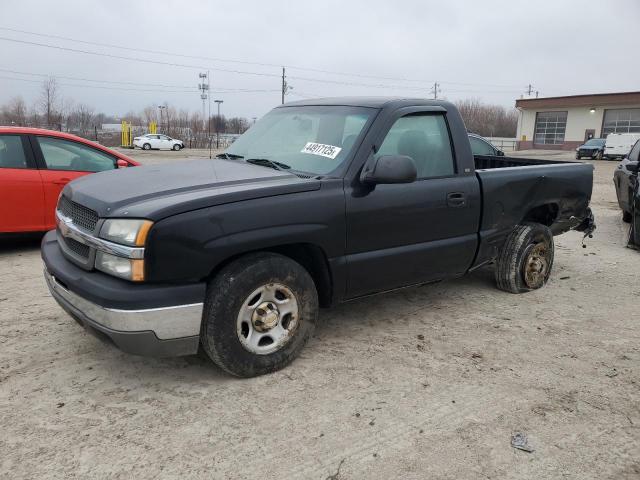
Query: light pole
(163, 107)
(218, 124)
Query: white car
(157, 142)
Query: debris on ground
(520, 441)
(336, 475)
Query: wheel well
(310, 256)
(544, 214)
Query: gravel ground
(428, 382)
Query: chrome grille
(80, 215)
(78, 248)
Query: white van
(618, 145)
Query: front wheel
(259, 312)
(176, 147)
(526, 258)
(599, 155)
(146, 146)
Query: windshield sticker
(321, 149)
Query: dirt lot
(428, 382)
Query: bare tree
(49, 99)
(488, 120)
(15, 112)
(237, 125)
(150, 114)
(83, 118)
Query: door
(165, 142)
(399, 235)
(62, 161)
(153, 141)
(21, 191)
(589, 134)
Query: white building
(563, 123)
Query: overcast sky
(489, 49)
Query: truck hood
(159, 191)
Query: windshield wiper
(229, 156)
(265, 162)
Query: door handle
(62, 181)
(456, 199)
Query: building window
(550, 128)
(624, 120)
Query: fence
(505, 144)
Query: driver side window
(424, 138)
(60, 154)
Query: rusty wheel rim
(267, 319)
(536, 265)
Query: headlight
(126, 231)
(126, 268)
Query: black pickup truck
(319, 202)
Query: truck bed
(556, 194)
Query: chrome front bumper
(165, 331)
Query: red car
(35, 165)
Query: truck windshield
(314, 139)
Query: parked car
(319, 202)
(157, 142)
(35, 165)
(482, 146)
(625, 179)
(618, 145)
(592, 148)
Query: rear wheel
(259, 313)
(526, 259)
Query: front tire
(578, 157)
(599, 155)
(146, 146)
(176, 147)
(259, 313)
(526, 259)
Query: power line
(186, 87)
(243, 62)
(200, 67)
(125, 89)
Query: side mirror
(389, 169)
(122, 163)
(499, 153)
(633, 167)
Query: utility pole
(284, 84)
(218, 124)
(161, 108)
(203, 86)
(434, 90)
